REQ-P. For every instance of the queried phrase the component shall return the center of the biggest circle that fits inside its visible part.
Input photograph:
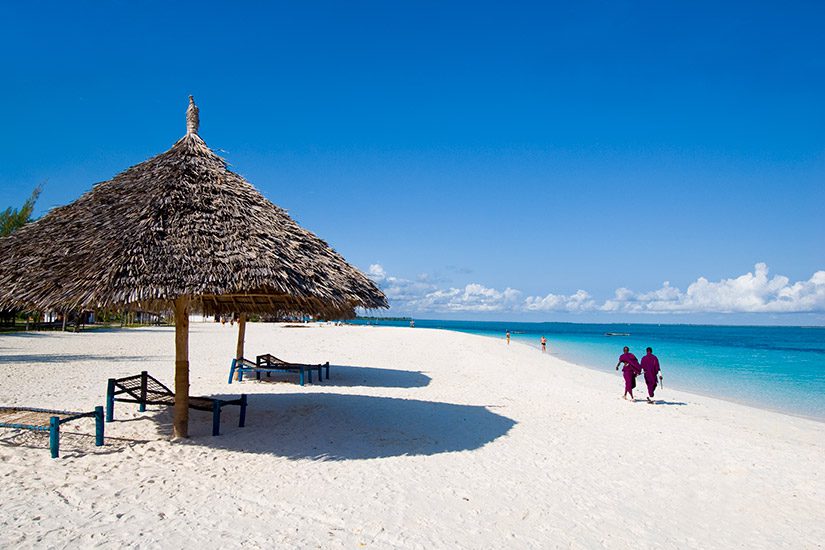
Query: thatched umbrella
(178, 232)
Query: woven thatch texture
(179, 224)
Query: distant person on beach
(543, 344)
(507, 336)
(630, 371)
(412, 323)
(650, 364)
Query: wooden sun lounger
(147, 390)
(48, 420)
(267, 364)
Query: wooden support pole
(241, 336)
(181, 420)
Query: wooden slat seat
(268, 364)
(48, 420)
(144, 389)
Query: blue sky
(479, 160)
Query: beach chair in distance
(268, 364)
(48, 420)
(269, 361)
(144, 389)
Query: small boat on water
(617, 334)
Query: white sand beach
(420, 439)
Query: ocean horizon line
(429, 319)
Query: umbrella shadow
(142, 328)
(23, 334)
(57, 358)
(325, 426)
(348, 376)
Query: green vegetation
(12, 218)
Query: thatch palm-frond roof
(178, 224)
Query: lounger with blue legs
(48, 420)
(268, 364)
(144, 389)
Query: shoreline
(550, 355)
(676, 387)
(752, 375)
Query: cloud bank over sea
(753, 293)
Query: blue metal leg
(54, 436)
(216, 417)
(309, 374)
(301, 371)
(326, 367)
(232, 370)
(99, 426)
(110, 400)
(144, 381)
(243, 411)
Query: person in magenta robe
(650, 365)
(630, 371)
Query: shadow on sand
(322, 426)
(24, 334)
(34, 358)
(661, 402)
(72, 444)
(367, 377)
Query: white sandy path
(444, 440)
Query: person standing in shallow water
(543, 344)
(650, 364)
(630, 371)
(507, 337)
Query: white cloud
(400, 291)
(473, 297)
(753, 292)
(377, 273)
(421, 295)
(580, 301)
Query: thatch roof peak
(192, 117)
(178, 224)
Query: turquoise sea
(778, 368)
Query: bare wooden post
(65, 318)
(181, 420)
(241, 336)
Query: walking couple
(632, 369)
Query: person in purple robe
(630, 371)
(650, 365)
